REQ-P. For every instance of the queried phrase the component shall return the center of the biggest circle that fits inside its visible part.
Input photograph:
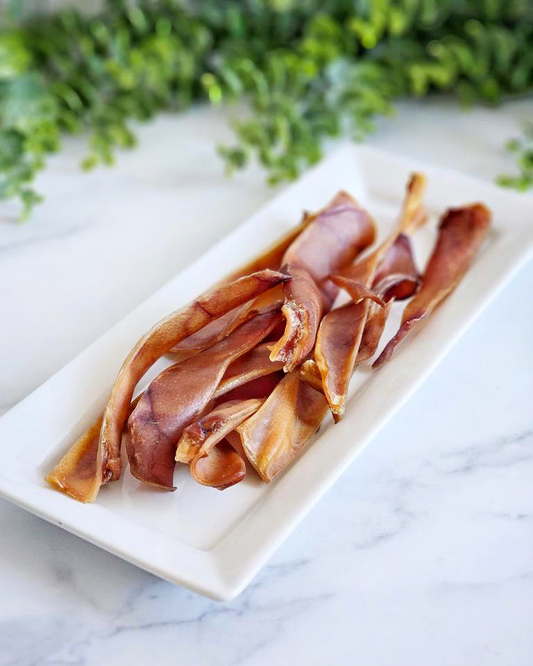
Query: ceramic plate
(213, 542)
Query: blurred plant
(522, 149)
(308, 69)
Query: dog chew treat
(341, 330)
(154, 344)
(178, 395)
(217, 330)
(334, 237)
(76, 472)
(212, 462)
(461, 233)
(282, 426)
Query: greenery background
(307, 69)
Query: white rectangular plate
(214, 542)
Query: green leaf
(25, 103)
(304, 71)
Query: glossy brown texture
(158, 341)
(309, 372)
(357, 290)
(333, 238)
(215, 331)
(412, 216)
(302, 311)
(254, 364)
(258, 388)
(335, 235)
(219, 329)
(277, 432)
(372, 333)
(397, 276)
(461, 234)
(178, 395)
(341, 330)
(202, 435)
(337, 347)
(217, 336)
(221, 469)
(76, 473)
(212, 462)
(374, 326)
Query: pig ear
(200, 437)
(461, 234)
(282, 426)
(157, 342)
(397, 275)
(302, 311)
(178, 396)
(221, 468)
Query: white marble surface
(421, 554)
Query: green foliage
(522, 150)
(308, 69)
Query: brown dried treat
(178, 395)
(285, 423)
(258, 388)
(212, 463)
(397, 276)
(461, 234)
(219, 329)
(302, 310)
(76, 472)
(221, 469)
(203, 434)
(341, 330)
(158, 341)
(252, 365)
(332, 239)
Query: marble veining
(504, 451)
(421, 554)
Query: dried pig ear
(302, 310)
(221, 469)
(374, 327)
(76, 472)
(461, 234)
(217, 341)
(309, 372)
(333, 238)
(337, 347)
(253, 365)
(158, 341)
(412, 216)
(413, 213)
(202, 435)
(212, 463)
(222, 327)
(256, 389)
(219, 329)
(178, 395)
(357, 290)
(375, 324)
(285, 423)
(341, 330)
(397, 276)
